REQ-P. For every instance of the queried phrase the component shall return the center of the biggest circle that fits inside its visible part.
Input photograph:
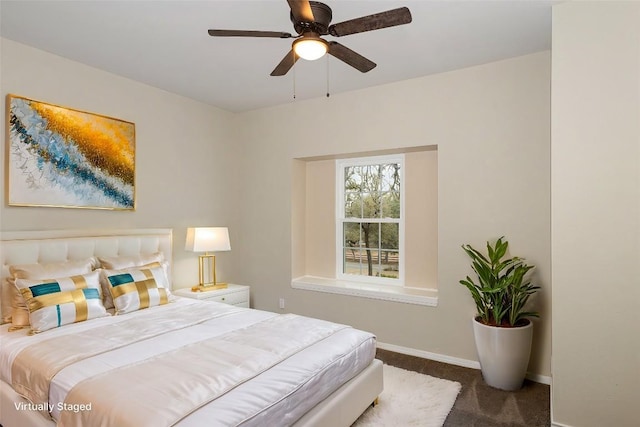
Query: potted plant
(502, 329)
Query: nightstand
(237, 295)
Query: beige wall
(596, 213)
(183, 173)
(421, 218)
(491, 125)
(320, 223)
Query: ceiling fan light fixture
(310, 48)
(312, 19)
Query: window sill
(428, 297)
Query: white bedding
(278, 396)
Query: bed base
(347, 403)
(341, 408)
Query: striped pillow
(18, 315)
(107, 300)
(133, 290)
(56, 302)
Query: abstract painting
(63, 157)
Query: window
(367, 226)
(370, 219)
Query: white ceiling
(165, 43)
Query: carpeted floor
(479, 405)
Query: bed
(176, 362)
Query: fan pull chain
(327, 75)
(294, 78)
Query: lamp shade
(310, 48)
(207, 239)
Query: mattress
(278, 395)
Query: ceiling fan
(311, 20)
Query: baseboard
(559, 425)
(431, 356)
(542, 379)
(465, 363)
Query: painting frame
(63, 157)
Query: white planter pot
(503, 354)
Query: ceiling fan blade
(249, 33)
(350, 57)
(301, 10)
(377, 21)
(285, 65)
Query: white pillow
(57, 302)
(129, 261)
(136, 289)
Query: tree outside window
(370, 216)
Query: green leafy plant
(501, 291)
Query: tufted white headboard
(28, 247)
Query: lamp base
(206, 288)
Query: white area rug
(411, 399)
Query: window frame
(340, 218)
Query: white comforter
(277, 396)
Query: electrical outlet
(281, 303)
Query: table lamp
(207, 239)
